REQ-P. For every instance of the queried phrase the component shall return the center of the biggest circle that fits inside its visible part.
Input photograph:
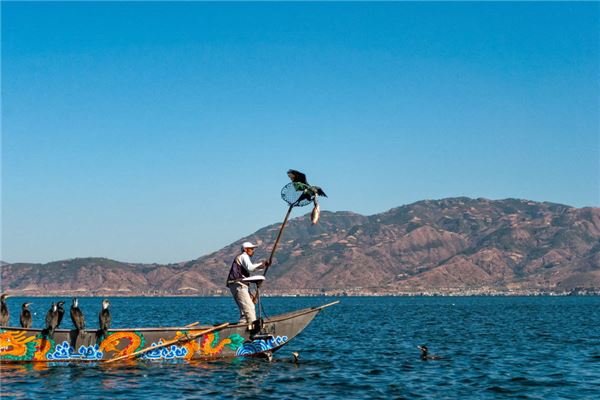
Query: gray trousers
(244, 302)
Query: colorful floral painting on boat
(66, 352)
(212, 345)
(122, 343)
(17, 346)
(261, 345)
(207, 345)
(43, 346)
(165, 353)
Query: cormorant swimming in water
(60, 306)
(104, 318)
(4, 315)
(51, 320)
(25, 316)
(77, 316)
(425, 354)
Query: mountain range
(448, 246)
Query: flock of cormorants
(55, 315)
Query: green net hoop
(297, 194)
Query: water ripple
(543, 347)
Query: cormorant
(60, 307)
(25, 316)
(4, 315)
(77, 316)
(309, 193)
(425, 354)
(104, 318)
(299, 177)
(51, 320)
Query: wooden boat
(18, 345)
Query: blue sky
(158, 132)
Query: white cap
(248, 245)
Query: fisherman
(241, 268)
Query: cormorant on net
(303, 193)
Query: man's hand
(266, 263)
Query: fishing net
(297, 194)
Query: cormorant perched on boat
(25, 315)
(51, 320)
(425, 354)
(77, 316)
(60, 307)
(4, 315)
(104, 318)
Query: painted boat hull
(20, 345)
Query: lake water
(492, 347)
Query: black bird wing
(51, 322)
(319, 191)
(49, 316)
(77, 318)
(105, 320)
(4, 315)
(108, 319)
(61, 313)
(25, 319)
(307, 195)
(298, 176)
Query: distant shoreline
(584, 292)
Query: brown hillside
(444, 245)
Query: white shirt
(244, 260)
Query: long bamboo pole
(287, 216)
(289, 211)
